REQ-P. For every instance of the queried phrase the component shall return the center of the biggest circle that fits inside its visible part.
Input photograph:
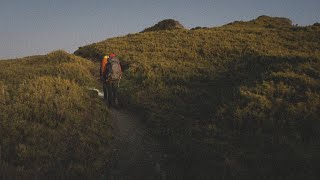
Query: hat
(112, 55)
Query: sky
(33, 27)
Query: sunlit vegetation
(247, 94)
(50, 124)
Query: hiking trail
(135, 152)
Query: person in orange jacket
(103, 69)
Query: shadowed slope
(244, 92)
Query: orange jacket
(103, 67)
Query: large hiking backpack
(113, 71)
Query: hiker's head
(106, 57)
(112, 55)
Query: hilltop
(244, 95)
(168, 24)
(266, 22)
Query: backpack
(113, 71)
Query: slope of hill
(247, 96)
(50, 124)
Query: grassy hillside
(246, 94)
(50, 124)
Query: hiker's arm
(107, 73)
(120, 70)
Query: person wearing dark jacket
(113, 77)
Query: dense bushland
(50, 124)
(245, 94)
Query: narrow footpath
(136, 153)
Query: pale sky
(31, 27)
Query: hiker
(113, 76)
(103, 66)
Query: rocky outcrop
(168, 24)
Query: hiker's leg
(115, 93)
(105, 91)
(109, 89)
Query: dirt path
(135, 151)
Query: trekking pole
(119, 82)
